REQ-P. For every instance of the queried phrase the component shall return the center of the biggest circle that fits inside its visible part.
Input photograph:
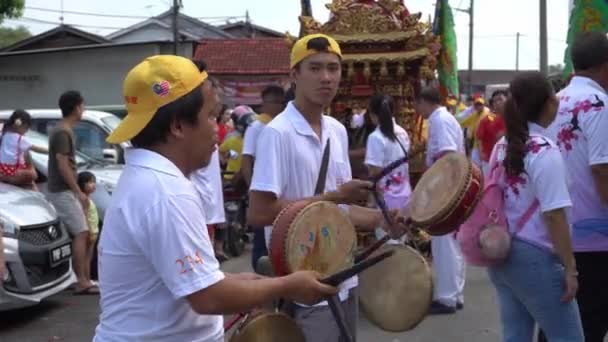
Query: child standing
(87, 184)
(14, 147)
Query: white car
(91, 132)
(37, 249)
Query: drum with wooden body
(397, 293)
(312, 236)
(446, 194)
(265, 326)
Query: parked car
(37, 249)
(91, 132)
(118, 110)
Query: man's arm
(233, 294)
(600, 176)
(264, 206)
(247, 168)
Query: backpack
(484, 238)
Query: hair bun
(18, 122)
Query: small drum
(312, 236)
(268, 327)
(446, 194)
(397, 293)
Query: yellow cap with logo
(153, 83)
(300, 49)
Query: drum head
(439, 188)
(396, 294)
(321, 238)
(269, 327)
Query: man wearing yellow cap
(158, 276)
(288, 164)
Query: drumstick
(371, 249)
(336, 310)
(337, 278)
(233, 321)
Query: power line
(40, 21)
(107, 15)
(87, 13)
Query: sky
(496, 22)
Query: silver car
(36, 246)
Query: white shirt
(154, 251)
(10, 145)
(208, 184)
(251, 137)
(381, 151)
(288, 159)
(544, 180)
(445, 134)
(580, 131)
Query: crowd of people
(159, 274)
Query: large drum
(268, 327)
(312, 236)
(446, 194)
(397, 293)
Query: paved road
(69, 318)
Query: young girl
(87, 184)
(538, 281)
(388, 143)
(14, 147)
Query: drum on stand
(312, 236)
(265, 326)
(396, 294)
(446, 194)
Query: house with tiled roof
(160, 28)
(244, 67)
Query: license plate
(60, 253)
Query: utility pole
(544, 62)
(470, 73)
(517, 52)
(469, 11)
(176, 5)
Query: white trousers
(449, 270)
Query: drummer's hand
(304, 287)
(354, 191)
(248, 276)
(399, 226)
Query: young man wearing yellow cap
(288, 163)
(158, 277)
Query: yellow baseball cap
(300, 49)
(153, 83)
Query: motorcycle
(235, 206)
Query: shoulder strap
(320, 187)
(401, 145)
(527, 216)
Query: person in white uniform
(208, 184)
(158, 277)
(273, 102)
(445, 135)
(388, 143)
(288, 160)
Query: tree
(10, 35)
(11, 9)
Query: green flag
(447, 66)
(586, 15)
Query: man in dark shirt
(64, 192)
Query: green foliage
(11, 9)
(8, 35)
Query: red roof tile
(245, 56)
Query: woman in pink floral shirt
(537, 283)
